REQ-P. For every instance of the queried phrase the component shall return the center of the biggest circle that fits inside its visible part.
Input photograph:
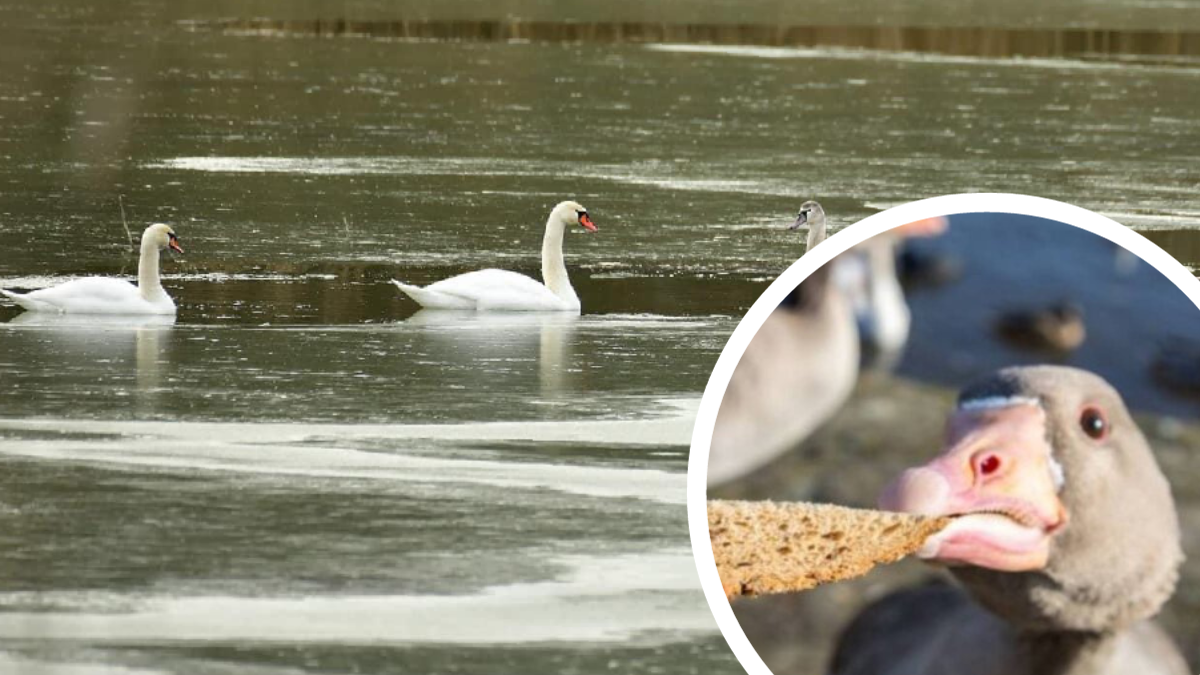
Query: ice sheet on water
(13, 663)
(852, 54)
(600, 599)
(305, 450)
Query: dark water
(301, 473)
(1142, 46)
(1009, 264)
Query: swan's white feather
(504, 291)
(105, 295)
(490, 289)
(433, 299)
(92, 295)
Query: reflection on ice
(106, 338)
(88, 322)
(506, 335)
(506, 321)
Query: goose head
(1062, 518)
(160, 236)
(572, 213)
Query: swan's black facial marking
(585, 220)
(173, 242)
(807, 209)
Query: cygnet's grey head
(813, 215)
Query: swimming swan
(105, 295)
(504, 291)
(812, 215)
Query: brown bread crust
(769, 547)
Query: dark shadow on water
(955, 41)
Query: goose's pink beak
(586, 221)
(173, 243)
(998, 476)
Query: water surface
(302, 473)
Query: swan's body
(504, 291)
(797, 371)
(802, 364)
(104, 295)
(867, 276)
(868, 279)
(491, 290)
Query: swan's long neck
(554, 270)
(148, 282)
(816, 232)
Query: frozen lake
(302, 474)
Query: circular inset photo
(958, 437)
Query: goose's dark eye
(1093, 423)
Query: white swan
(104, 295)
(501, 290)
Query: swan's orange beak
(586, 222)
(173, 243)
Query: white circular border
(948, 205)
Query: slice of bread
(768, 547)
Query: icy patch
(1162, 220)
(221, 277)
(853, 54)
(11, 663)
(652, 596)
(320, 451)
(774, 188)
(353, 166)
(459, 166)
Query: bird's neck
(148, 282)
(816, 233)
(554, 270)
(1066, 652)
